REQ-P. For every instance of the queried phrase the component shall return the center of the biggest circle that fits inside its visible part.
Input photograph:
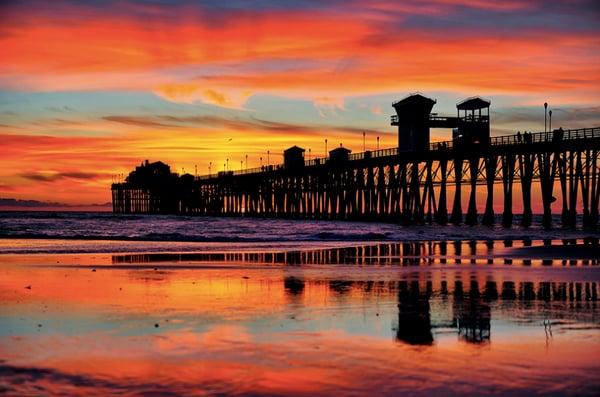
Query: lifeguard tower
(293, 157)
(339, 155)
(473, 122)
(470, 127)
(412, 119)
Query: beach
(127, 315)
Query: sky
(89, 89)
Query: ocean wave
(107, 226)
(333, 236)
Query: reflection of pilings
(294, 286)
(415, 253)
(414, 321)
(473, 315)
(294, 289)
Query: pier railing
(401, 186)
(503, 140)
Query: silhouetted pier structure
(408, 184)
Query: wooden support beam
(508, 175)
(471, 218)
(491, 162)
(456, 216)
(442, 214)
(547, 165)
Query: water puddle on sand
(418, 318)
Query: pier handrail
(502, 140)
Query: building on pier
(339, 155)
(293, 157)
(470, 127)
(473, 122)
(411, 184)
(412, 119)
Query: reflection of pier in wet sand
(416, 253)
(428, 303)
(390, 315)
(466, 310)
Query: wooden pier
(404, 185)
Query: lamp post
(246, 161)
(545, 115)
(325, 147)
(308, 154)
(268, 158)
(227, 169)
(377, 143)
(210, 168)
(550, 120)
(364, 141)
(261, 162)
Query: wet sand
(475, 318)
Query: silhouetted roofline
(340, 149)
(415, 97)
(473, 103)
(294, 149)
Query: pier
(417, 182)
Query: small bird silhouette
(230, 139)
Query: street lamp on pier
(545, 115)
(364, 141)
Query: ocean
(137, 232)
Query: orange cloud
(191, 56)
(351, 56)
(191, 92)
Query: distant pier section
(417, 182)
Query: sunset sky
(89, 89)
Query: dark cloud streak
(254, 124)
(51, 177)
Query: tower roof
(473, 103)
(414, 99)
(340, 149)
(294, 149)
